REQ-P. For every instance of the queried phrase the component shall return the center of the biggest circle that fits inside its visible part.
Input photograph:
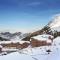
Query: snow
(16, 56)
(8, 49)
(37, 53)
(56, 42)
(15, 38)
(16, 41)
(0, 46)
(26, 54)
(55, 22)
(34, 54)
(44, 37)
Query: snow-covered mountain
(9, 35)
(52, 28)
(13, 36)
(51, 52)
(55, 23)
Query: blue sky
(25, 15)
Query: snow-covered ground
(34, 54)
(37, 53)
(16, 56)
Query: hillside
(36, 53)
(52, 28)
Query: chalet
(41, 40)
(37, 41)
(15, 44)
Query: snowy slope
(16, 56)
(37, 53)
(55, 23)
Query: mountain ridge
(51, 28)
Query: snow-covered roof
(43, 37)
(56, 22)
(7, 42)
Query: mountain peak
(55, 23)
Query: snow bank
(7, 49)
(56, 41)
(17, 41)
(16, 56)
